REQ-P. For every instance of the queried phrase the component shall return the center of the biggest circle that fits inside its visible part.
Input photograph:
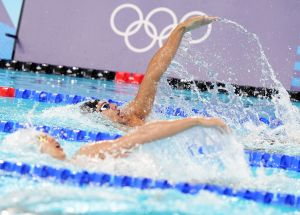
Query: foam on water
(177, 159)
(23, 146)
(71, 116)
(164, 159)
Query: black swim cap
(89, 106)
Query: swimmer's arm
(145, 134)
(142, 104)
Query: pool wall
(128, 77)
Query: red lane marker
(122, 76)
(137, 78)
(7, 92)
(131, 78)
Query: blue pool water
(21, 194)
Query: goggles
(104, 106)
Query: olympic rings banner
(123, 35)
(150, 28)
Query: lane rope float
(59, 98)
(255, 158)
(85, 178)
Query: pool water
(21, 194)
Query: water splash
(70, 116)
(177, 159)
(214, 62)
(169, 159)
(284, 109)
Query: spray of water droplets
(213, 61)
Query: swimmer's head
(29, 140)
(107, 109)
(50, 146)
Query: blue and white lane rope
(255, 158)
(42, 96)
(58, 98)
(59, 132)
(86, 178)
(272, 160)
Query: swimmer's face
(51, 147)
(110, 110)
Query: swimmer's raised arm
(142, 104)
(145, 134)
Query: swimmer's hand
(197, 21)
(217, 123)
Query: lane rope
(58, 98)
(85, 178)
(59, 132)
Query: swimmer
(122, 146)
(135, 113)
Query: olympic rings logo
(150, 28)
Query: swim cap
(89, 106)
